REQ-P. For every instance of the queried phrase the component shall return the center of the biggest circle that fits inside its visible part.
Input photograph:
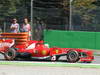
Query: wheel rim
(10, 55)
(73, 56)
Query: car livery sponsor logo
(44, 52)
(57, 51)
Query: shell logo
(44, 52)
(57, 51)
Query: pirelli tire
(73, 56)
(10, 54)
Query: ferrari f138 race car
(17, 45)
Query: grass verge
(50, 64)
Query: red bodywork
(42, 51)
(5, 44)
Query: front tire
(72, 56)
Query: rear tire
(10, 54)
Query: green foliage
(97, 3)
(7, 7)
(12, 7)
(84, 9)
(21, 8)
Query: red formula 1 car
(32, 49)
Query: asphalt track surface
(47, 70)
(36, 70)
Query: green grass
(50, 64)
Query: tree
(7, 7)
(84, 8)
(14, 7)
(97, 2)
(56, 10)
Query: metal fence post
(70, 16)
(32, 32)
(4, 26)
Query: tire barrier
(15, 34)
(20, 38)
